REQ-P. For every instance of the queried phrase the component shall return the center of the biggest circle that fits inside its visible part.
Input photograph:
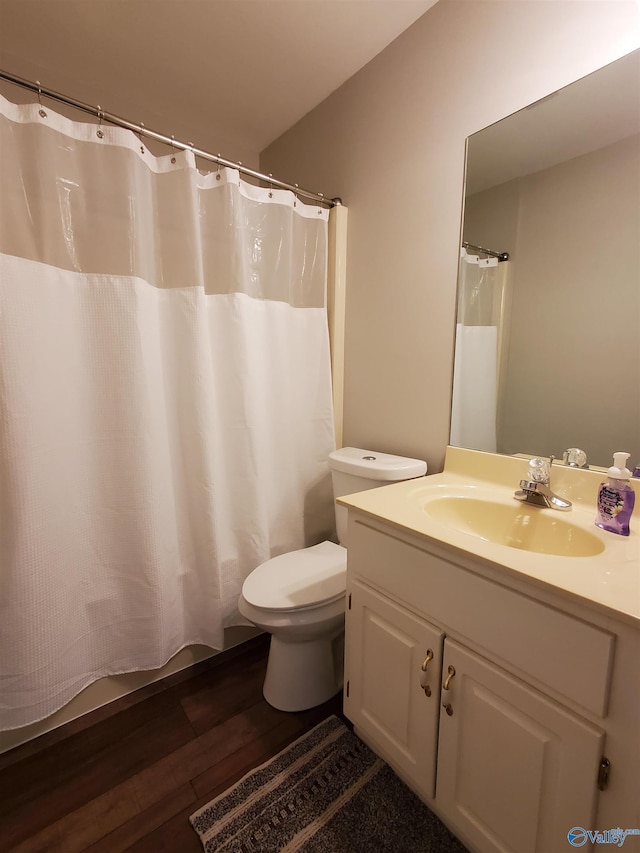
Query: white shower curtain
(165, 401)
(479, 330)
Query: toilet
(299, 597)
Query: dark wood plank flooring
(127, 776)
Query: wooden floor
(129, 780)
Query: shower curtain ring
(41, 111)
(295, 197)
(140, 137)
(173, 154)
(218, 175)
(99, 131)
(270, 185)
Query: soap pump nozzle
(619, 470)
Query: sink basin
(519, 526)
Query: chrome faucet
(536, 488)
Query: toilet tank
(355, 470)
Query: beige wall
(391, 141)
(572, 233)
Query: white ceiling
(230, 75)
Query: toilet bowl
(299, 597)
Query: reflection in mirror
(548, 342)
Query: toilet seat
(299, 579)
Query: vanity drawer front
(561, 652)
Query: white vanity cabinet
(516, 770)
(395, 659)
(491, 704)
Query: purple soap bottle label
(610, 501)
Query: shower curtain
(165, 401)
(480, 331)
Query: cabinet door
(516, 770)
(392, 669)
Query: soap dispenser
(616, 497)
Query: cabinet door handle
(451, 671)
(428, 658)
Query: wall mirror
(548, 342)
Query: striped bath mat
(325, 793)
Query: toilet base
(301, 675)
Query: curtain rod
(501, 256)
(141, 130)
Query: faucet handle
(539, 471)
(575, 458)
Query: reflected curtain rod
(141, 130)
(501, 256)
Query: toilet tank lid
(375, 465)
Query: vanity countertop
(610, 579)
